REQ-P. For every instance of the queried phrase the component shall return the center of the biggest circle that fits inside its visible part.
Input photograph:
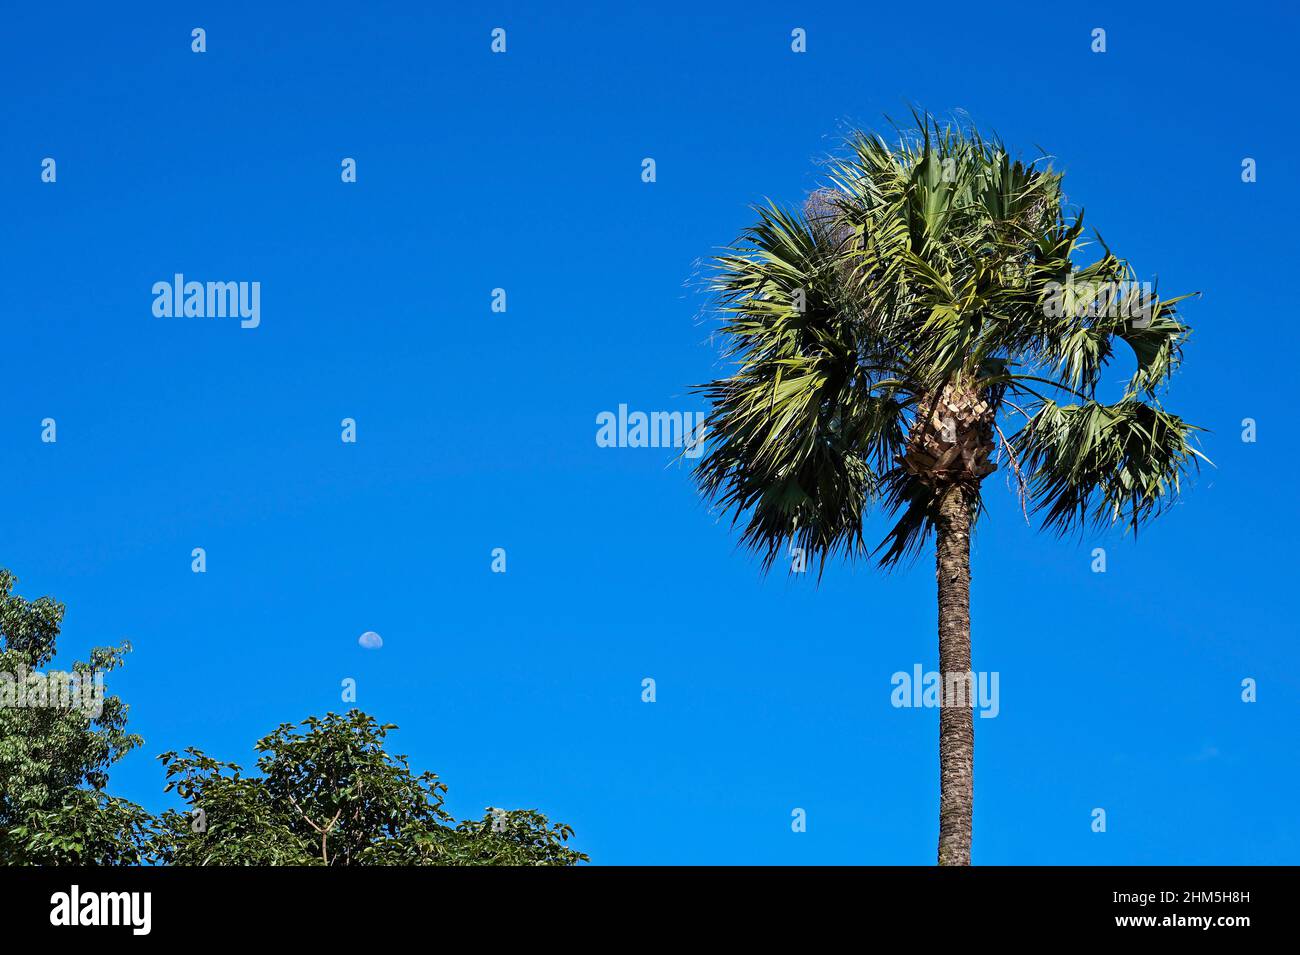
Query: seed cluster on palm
(919, 322)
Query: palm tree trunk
(956, 722)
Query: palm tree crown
(917, 321)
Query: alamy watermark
(1135, 301)
(657, 429)
(935, 690)
(75, 907)
(181, 299)
(55, 690)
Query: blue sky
(477, 429)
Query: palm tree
(919, 319)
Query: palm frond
(1092, 465)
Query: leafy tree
(919, 315)
(54, 758)
(86, 828)
(330, 794)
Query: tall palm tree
(921, 318)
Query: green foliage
(54, 761)
(1093, 463)
(330, 794)
(327, 793)
(86, 828)
(931, 262)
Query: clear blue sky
(477, 430)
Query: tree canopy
(931, 304)
(326, 791)
(54, 759)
